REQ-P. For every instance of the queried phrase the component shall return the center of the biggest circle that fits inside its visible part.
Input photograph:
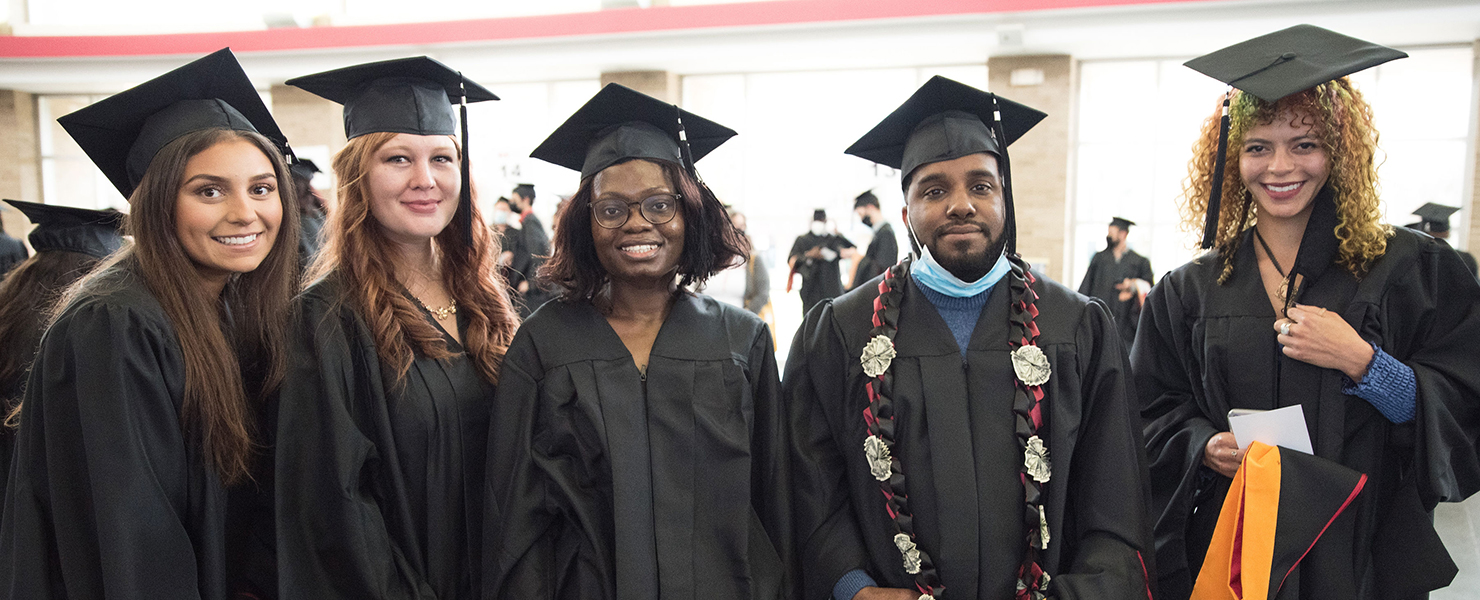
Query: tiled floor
(1459, 526)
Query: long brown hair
(711, 243)
(216, 410)
(26, 299)
(1343, 121)
(357, 252)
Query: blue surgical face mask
(931, 274)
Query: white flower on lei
(877, 355)
(878, 457)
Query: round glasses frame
(648, 208)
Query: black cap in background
(68, 229)
(304, 168)
(866, 199)
(405, 95)
(1435, 218)
(1287, 61)
(122, 133)
(1121, 223)
(619, 123)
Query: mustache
(958, 227)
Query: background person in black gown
(814, 255)
(536, 246)
(12, 253)
(919, 392)
(138, 413)
(1435, 222)
(1309, 300)
(1120, 278)
(380, 437)
(637, 448)
(883, 249)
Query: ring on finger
(1285, 328)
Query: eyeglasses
(612, 213)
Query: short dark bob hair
(711, 243)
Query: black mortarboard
(1435, 217)
(91, 232)
(304, 168)
(946, 120)
(122, 133)
(1276, 65)
(1121, 223)
(819, 215)
(405, 95)
(619, 123)
(866, 199)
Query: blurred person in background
(815, 255)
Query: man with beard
(965, 424)
(1120, 278)
(536, 245)
(883, 249)
(815, 256)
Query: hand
(876, 593)
(815, 253)
(1324, 339)
(1131, 287)
(1223, 454)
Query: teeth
(640, 248)
(240, 240)
(1282, 188)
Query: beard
(867, 221)
(1109, 242)
(965, 264)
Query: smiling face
(1284, 164)
(227, 210)
(638, 250)
(414, 182)
(955, 208)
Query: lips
(237, 240)
(1282, 191)
(640, 249)
(421, 206)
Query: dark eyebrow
(647, 193)
(205, 176)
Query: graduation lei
(1030, 366)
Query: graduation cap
(866, 199)
(1435, 218)
(819, 215)
(946, 120)
(1280, 504)
(122, 133)
(1274, 66)
(1121, 223)
(404, 95)
(64, 228)
(619, 123)
(304, 168)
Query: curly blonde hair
(1343, 121)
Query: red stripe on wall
(605, 22)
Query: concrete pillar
(20, 172)
(658, 84)
(1040, 160)
(1471, 224)
(314, 126)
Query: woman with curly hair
(637, 449)
(384, 416)
(1307, 300)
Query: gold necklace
(1282, 292)
(440, 313)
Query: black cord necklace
(1283, 292)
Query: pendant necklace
(1282, 292)
(441, 314)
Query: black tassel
(1005, 165)
(683, 146)
(1215, 197)
(463, 218)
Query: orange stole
(1242, 551)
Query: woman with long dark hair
(383, 419)
(140, 408)
(1306, 300)
(637, 449)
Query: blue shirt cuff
(1389, 386)
(850, 583)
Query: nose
(635, 221)
(959, 205)
(1282, 162)
(239, 209)
(421, 176)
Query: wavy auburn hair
(711, 243)
(357, 253)
(1342, 119)
(230, 364)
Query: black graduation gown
(379, 490)
(954, 432)
(536, 247)
(1206, 348)
(820, 277)
(1100, 280)
(882, 253)
(603, 485)
(108, 498)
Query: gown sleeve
(1086, 285)
(1108, 488)
(1176, 431)
(534, 545)
(99, 489)
(333, 539)
(828, 540)
(770, 474)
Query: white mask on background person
(501, 217)
(819, 228)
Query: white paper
(1280, 427)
